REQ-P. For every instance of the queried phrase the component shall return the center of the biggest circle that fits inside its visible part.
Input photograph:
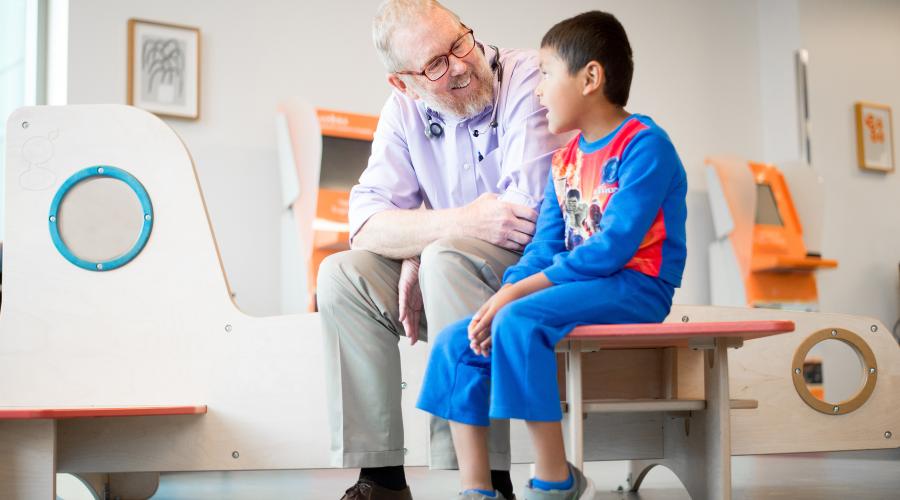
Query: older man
(463, 136)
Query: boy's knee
(509, 320)
(515, 311)
(452, 340)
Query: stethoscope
(434, 129)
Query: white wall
(779, 39)
(854, 52)
(13, 73)
(696, 73)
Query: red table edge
(23, 413)
(754, 329)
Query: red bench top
(676, 334)
(22, 413)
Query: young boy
(609, 248)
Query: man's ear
(395, 81)
(593, 78)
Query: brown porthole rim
(867, 357)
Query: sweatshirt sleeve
(548, 239)
(647, 168)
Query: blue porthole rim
(100, 171)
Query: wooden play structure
(123, 355)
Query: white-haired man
(463, 135)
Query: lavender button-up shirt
(407, 169)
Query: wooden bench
(29, 444)
(701, 458)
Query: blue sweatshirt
(612, 204)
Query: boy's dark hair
(595, 36)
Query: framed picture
(874, 137)
(164, 68)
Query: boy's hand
(480, 326)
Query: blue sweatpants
(518, 379)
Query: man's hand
(410, 298)
(507, 225)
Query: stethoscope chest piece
(434, 129)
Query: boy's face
(559, 92)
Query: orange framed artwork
(164, 68)
(874, 137)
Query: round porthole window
(101, 218)
(834, 371)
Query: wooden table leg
(28, 459)
(575, 397)
(717, 420)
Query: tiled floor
(838, 476)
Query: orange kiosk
(322, 153)
(346, 146)
(759, 257)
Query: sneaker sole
(589, 492)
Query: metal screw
(887, 434)
(235, 454)
(797, 371)
(836, 409)
(99, 267)
(52, 218)
(871, 370)
(228, 328)
(874, 328)
(403, 385)
(834, 333)
(24, 124)
(100, 170)
(405, 451)
(147, 217)
(685, 319)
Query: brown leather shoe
(368, 490)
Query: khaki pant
(358, 300)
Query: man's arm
(401, 234)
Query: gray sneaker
(582, 489)
(478, 496)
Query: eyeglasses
(438, 66)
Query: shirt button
(467, 166)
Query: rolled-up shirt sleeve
(389, 181)
(527, 144)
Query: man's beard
(462, 107)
